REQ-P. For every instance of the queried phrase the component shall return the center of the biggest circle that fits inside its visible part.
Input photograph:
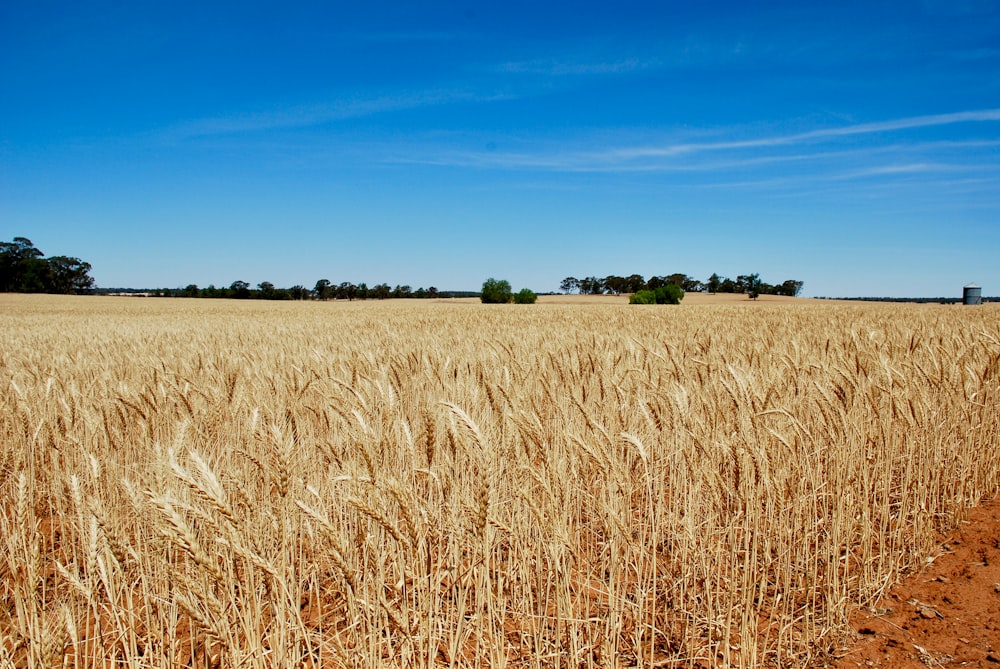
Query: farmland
(234, 484)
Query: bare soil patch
(948, 614)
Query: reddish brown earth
(948, 614)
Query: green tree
(322, 289)
(496, 291)
(713, 283)
(23, 269)
(616, 285)
(68, 275)
(791, 288)
(677, 278)
(692, 285)
(634, 283)
(266, 289)
(240, 290)
(15, 257)
(525, 296)
(749, 284)
(346, 291)
(569, 284)
(591, 286)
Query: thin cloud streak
(312, 115)
(554, 68)
(892, 170)
(805, 185)
(810, 186)
(586, 163)
(803, 137)
(653, 159)
(929, 154)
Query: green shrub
(496, 291)
(643, 297)
(668, 294)
(525, 296)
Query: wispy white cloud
(796, 165)
(898, 169)
(317, 114)
(977, 115)
(584, 162)
(561, 68)
(811, 136)
(881, 178)
(826, 166)
(732, 154)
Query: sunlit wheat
(229, 484)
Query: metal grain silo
(972, 294)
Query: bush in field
(525, 296)
(668, 294)
(496, 291)
(643, 297)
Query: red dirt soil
(948, 614)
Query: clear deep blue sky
(851, 145)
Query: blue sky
(854, 146)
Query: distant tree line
(913, 300)
(323, 290)
(750, 284)
(24, 269)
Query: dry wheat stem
(423, 485)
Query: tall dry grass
(225, 484)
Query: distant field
(580, 483)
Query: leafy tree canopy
(24, 269)
(751, 284)
(671, 293)
(496, 291)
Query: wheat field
(192, 483)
